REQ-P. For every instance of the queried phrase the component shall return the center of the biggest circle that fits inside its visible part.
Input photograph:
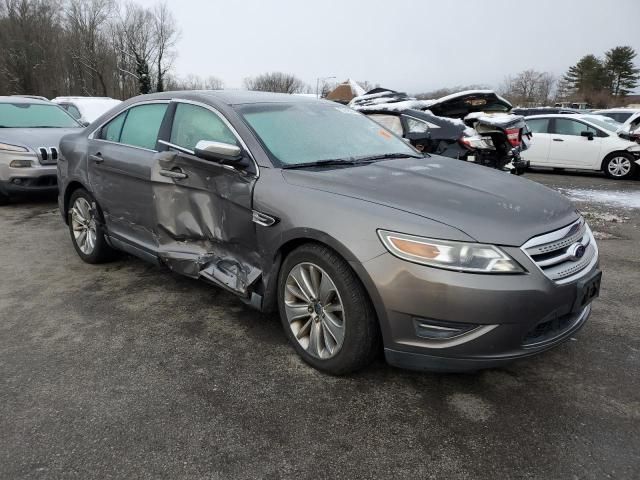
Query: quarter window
(112, 130)
(538, 125)
(192, 123)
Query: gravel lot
(129, 371)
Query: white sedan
(586, 142)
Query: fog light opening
(437, 330)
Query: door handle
(176, 174)
(97, 158)
(558, 140)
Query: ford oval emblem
(577, 251)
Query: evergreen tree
(142, 72)
(620, 70)
(587, 76)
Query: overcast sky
(406, 45)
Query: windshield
(30, 115)
(604, 122)
(300, 133)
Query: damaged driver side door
(203, 207)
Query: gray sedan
(359, 241)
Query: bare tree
(166, 35)
(275, 82)
(88, 45)
(135, 25)
(529, 88)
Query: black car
(526, 112)
(429, 133)
(473, 125)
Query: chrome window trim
(147, 102)
(177, 147)
(225, 121)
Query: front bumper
(509, 316)
(40, 178)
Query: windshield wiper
(349, 161)
(385, 156)
(324, 163)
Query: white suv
(586, 142)
(86, 109)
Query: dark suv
(311, 208)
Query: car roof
(617, 110)
(229, 97)
(70, 99)
(25, 100)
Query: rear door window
(538, 125)
(192, 123)
(142, 125)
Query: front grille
(564, 254)
(47, 155)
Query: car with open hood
(30, 131)
(311, 209)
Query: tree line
(600, 82)
(85, 47)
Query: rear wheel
(326, 312)
(619, 166)
(85, 227)
(4, 199)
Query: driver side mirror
(218, 151)
(587, 134)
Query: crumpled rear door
(203, 220)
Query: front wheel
(619, 166)
(4, 199)
(326, 312)
(85, 227)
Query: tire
(338, 336)
(4, 199)
(85, 216)
(619, 166)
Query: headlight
(460, 256)
(21, 164)
(12, 148)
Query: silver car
(30, 132)
(359, 241)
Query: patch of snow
(397, 106)
(453, 96)
(616, 198)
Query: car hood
(35, 137)
(488, 205)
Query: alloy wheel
(314, 310)
(619, 166)
(84, 225)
